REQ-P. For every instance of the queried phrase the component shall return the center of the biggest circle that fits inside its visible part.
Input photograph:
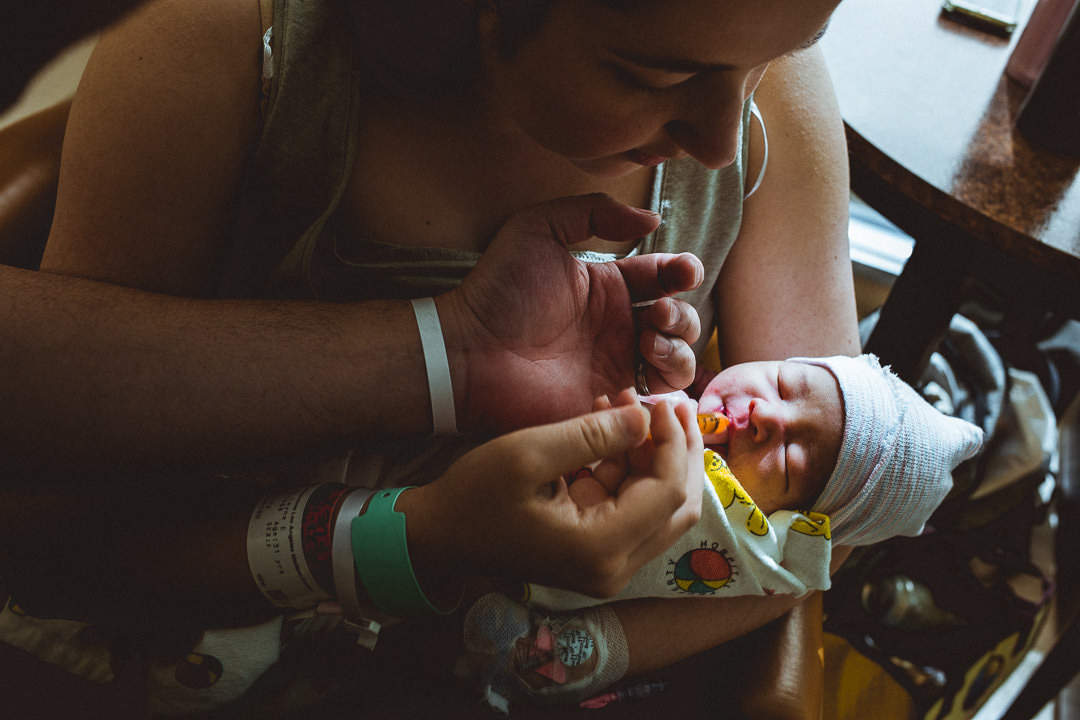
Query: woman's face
(615, 90)
(787, 423)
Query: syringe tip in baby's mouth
(712, 423)
(709, 423)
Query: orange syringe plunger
(712, 423)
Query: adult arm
(786, 289)
(658, 635)
(99, 377)
(159, 556)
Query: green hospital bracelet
(381, 554)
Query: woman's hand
(506, 508)
(533, 333)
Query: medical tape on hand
(443, 416)
(275, 551)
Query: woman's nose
(708, 123)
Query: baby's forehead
(816, 381)
(825, 392)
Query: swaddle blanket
(734, 549)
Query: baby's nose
(766, 420)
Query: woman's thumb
(598, 435)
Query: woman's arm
(155, 146)
(166, 552)
(786, 289)
(660, 632)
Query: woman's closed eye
(814, 40)
(784, 451)
(656, 83)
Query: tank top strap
(266, 16)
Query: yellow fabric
(710, 356)
(857, 688)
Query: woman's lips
(647, 159)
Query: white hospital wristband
(275, 551)
(347, 586)
(443, 417)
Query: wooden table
(929, 117)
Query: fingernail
(699, 271)
(673, 315)
(662, 347)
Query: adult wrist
(348, 588)
(283, 552)
(350, 544)
(456, 342)
(384, 564)
(436, 366)
(436, 559)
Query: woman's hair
(423, 48)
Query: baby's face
(787, 422)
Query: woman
(639, 100)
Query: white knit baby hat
(896, 457)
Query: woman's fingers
(522, 518)
(664, 475)
(565, 447)
(688, 513)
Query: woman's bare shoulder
(156, 140)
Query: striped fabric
(896, 458)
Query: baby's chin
(718, 447)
